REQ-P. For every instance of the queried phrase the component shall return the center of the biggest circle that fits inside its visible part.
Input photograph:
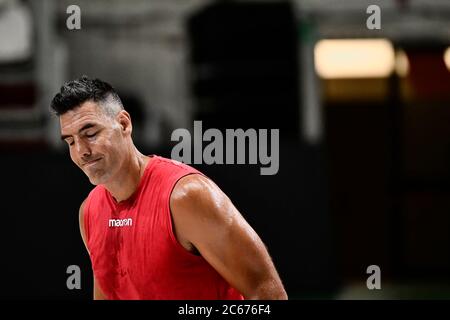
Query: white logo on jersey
(120, 222)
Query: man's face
(96, 141)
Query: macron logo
(120, 222)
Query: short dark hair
(75, 92)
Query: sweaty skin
(204, 219)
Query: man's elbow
(269, 290)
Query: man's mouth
(89, 163)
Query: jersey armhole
(169, 218)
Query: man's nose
(83, 149)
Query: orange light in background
(447, 58)
(401, 63)
(354, 58)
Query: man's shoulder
(167, 167)
(191, 189)
(173, 163)
(97, 193)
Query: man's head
(95, 126)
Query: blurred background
(364, 176)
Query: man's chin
(96, 180)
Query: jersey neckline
(131, 198)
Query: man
(155, 228)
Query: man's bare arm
(206, 217)
(98, 293)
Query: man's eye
(91, 135)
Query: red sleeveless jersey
(132, 247)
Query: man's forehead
(78, 117)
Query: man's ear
(124, 119)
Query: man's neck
(126, 184)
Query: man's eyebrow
(86, 126)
